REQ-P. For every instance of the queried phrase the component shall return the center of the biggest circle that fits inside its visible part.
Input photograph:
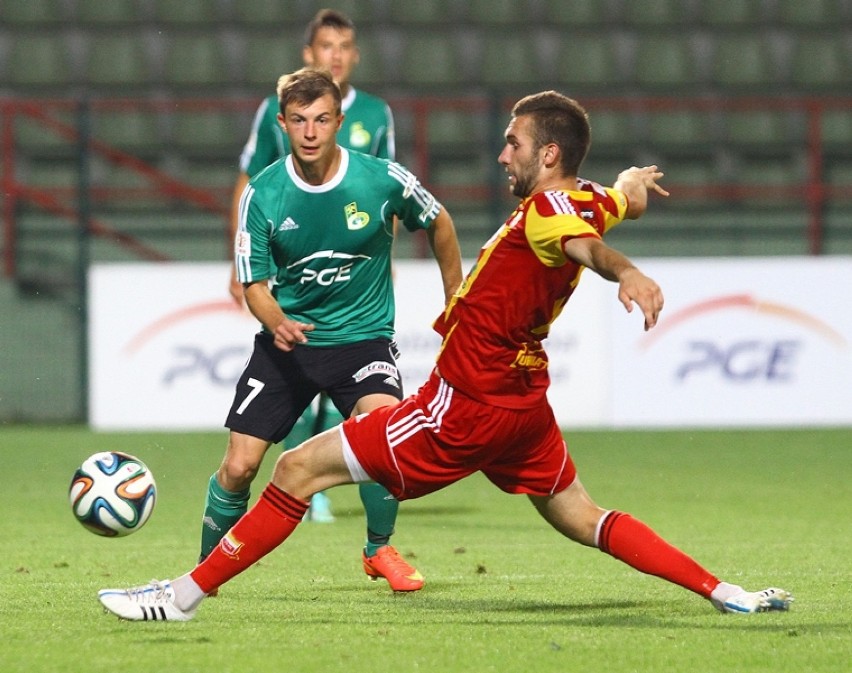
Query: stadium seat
(194, 60)
(194, 13)
(132, 130)
(435, 12)
(789, 173)
(744, 60)
(51, 172)
(114, 12)
(569, 14)
(836, 127)
(267, 13)
(822, 62)
(838, 173)
(666, 61)
(798, 14)
(612, 129)
(208, 132)
(838, 227)
(31, 13)
(692, 170)
(209, 173)
(506, 12)
(39, 60)
(509, 59)
(459, 172)
(739, 13)
(431, 58)
(767, 128)
(33, 137)
(268, 56)
(657, 13)
(457, 129)
(588, 60)
(680, 131)
(117, 60)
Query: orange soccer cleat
(389, 564)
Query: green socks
(222, 510)
(381, 509)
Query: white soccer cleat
(746, 602)
(154, 602)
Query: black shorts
(277, 386)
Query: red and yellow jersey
(494, 326)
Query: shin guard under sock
(222, 509)
(266, 525)
(381, 509)
(634, 543)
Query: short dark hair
(560, 120)
(330, 18)
(305, 86)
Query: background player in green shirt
(319, 224)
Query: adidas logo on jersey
(288, 225)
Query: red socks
(632, 542)
(266, 525)
(276, 514)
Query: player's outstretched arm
(635, 183)
(633, 285)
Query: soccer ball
(112, 494)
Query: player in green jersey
(313, 253)
(330, 42)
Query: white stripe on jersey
(422, 196)
(243, 260)
(561, 203)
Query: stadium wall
(40, 344)
(742, 342)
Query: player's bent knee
(236, 475)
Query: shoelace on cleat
(150, 592)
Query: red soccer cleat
(389, 564)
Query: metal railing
(66, 121)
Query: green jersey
(367, 127)
(327, 248)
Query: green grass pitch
(504, 592)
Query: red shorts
(439, 436)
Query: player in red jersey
(484, 407)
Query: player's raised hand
(635, 183)
(648, 176)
